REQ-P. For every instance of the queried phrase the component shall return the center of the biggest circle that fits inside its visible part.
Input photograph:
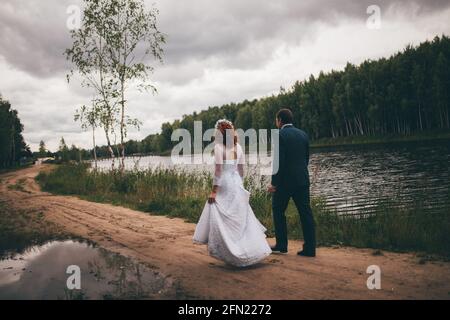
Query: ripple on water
(353, 177)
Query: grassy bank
(182, 194)
(367, 140)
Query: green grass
(183, 194)
(18, 186)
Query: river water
(355, 178)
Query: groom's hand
(212, 197)
(272, 189)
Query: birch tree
(112, 51)
(90, 120)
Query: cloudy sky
(217, 51)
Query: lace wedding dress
(229, 226)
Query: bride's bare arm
(217, 174)
(241, 160)
(241, 170)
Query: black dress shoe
(306, 254)
(277, 249)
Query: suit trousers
(280, 201)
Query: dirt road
(336, 273)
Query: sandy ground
(164, 243)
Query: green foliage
(110, 51)
(183, 194)
(42, 149)
(403, 95)
(12, 144)
(63, 151)
(402, 98)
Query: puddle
(40, 273)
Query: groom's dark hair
(285, 116)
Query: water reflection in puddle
(40, 273)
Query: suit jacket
(292, 159)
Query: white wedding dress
(229, 226)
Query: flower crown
(223, 121)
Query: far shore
(354, 141)
(363, 140)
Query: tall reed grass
(177, 193)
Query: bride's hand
(212, 197)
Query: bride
(227, 224)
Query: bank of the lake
(182, 194)
(386, 139)
(35, 254)
(352, 179)
(338, 272)
(357, 140)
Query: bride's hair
(225, 133)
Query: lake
(353, 179)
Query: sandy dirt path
(164, 243)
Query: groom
(292, 181)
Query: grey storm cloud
(33, 34)
(204, 28)
(217, 51)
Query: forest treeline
(407, 93)
(404, 94)
(13, 149)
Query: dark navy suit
(292, 181)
